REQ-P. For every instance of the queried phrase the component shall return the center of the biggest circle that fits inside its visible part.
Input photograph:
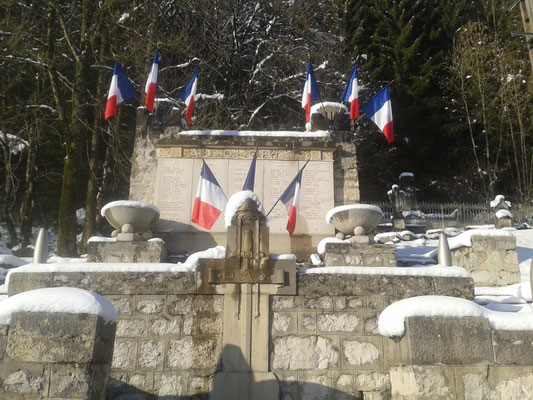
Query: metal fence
(437, 215)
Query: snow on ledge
(236, 200)
(434, 270)
(391, 321)
(189, 265)
(297, 134)
(57, 300)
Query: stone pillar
(59, 356)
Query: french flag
(290, 198)
(310, 92)
(351, 94)
(189, 91)
(151, 84)
(379, 110)
(249, 183)
(120, 90)
(210, 199)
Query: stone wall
(492, 260)
(168, 340)
(325, 341)
(59, 356)
(469, 362)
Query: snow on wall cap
(306, 134)
(391, 321)
(410, 174)
(128, 203)
(503, 214)
(333, 211)
(57, 300)
(236, 200)
(498, 199)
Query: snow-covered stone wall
(55, 356)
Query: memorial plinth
(166, 167)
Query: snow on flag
(290, 198)
(250, 178)
(310, 92)
(379, 110)
(210, 199)
(120, 90)
(189, 91)
(351, 94)
(151, 84)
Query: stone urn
(355, 219)
(131, 219)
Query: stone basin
(347, 218)
(141, 216)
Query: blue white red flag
(351, 94)
(189, 91)
(210, 199)
(120, 90)
(151, 84)
(379, 110)
(290, 198)
(249, 183)
(310, 92)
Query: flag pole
(277, 201)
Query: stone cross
(247, 277)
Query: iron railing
(437, 215)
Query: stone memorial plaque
(177, 182)
(173, 188)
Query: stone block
(198, 304)
(43, 337)
(202, 325)
(372, 381)
(422, 383)
(362, 352)
(315, 386)
(304, 353)
(360, 254)
(151, 354)
(124, 354)
(166, 326)
(492, 260)
(395, 352)
(454, 287)
(511, 382)
(513, 347)
(448, 341)
(339, 322)
(108, 283)
(131, 328)
(472, 383)
(284, 323)
(68, 380)
(307, 322)
(192, 353)
(318, 303)
(284, 303)
(141, 380)
(389, 286)
(122, 304)
(149, 304)
(18, 379)
(128, 250)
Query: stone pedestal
(360, 255)
(503, 223)
(123, 252)
(398, 224)
(492, 260)
(59, 356)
